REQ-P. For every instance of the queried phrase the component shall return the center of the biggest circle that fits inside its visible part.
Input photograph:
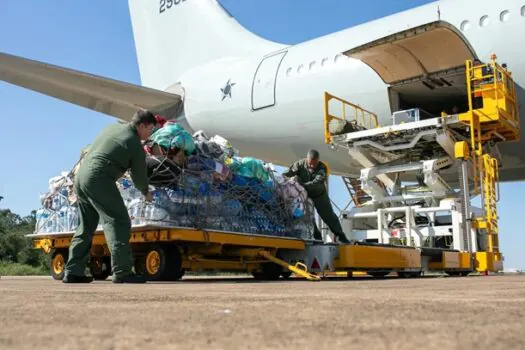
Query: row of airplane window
(485, 20)
(313, 64)
(465, 25)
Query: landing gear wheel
(269, 272)
(58, 263)
(378, 274)
(100, 268)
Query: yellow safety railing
(493, 110)
(349, 113)
(490, 196)
(492, 95)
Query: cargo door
(416, 52)
(264, 81)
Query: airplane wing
(111, 97)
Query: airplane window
(300, 69)
(464, 25)
(504, 16)
(324, 61)
(312, 65)
(289, 71)
(523, 11)
(484, 21)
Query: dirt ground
(391, 313)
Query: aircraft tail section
(172, 36)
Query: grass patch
(16, 269)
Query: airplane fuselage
(278, 121)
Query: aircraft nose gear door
(264, 81)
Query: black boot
(77, 279)
(342, 238)
(132, 278)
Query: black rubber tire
(154, 263)
(453, 273)
(58, 263)
(269, 272)
(286, 274)
(174, 270)
(101, 274)
(409, 274)
(378, 274)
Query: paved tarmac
(391, 313)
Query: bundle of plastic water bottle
(57, 214)
(203, 198)
(214, 190)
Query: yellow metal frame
(150, 235)
(495, 86)
(358, 115)
(497, 119)
(370, 257)
(488, 261)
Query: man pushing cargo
(312, 175)
(116, 150)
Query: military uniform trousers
(326, 212)
(99, 198)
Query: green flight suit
(315, 184)
(114, 151)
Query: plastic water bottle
(50, 223)
(176, 198)
(134, 211)
(73, 218)
(63, 220)
(41, 216)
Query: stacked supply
(213, 189)
(57, 213)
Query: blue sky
(41, 136)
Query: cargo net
(212, 189)
(207, 195)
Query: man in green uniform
(117, 149)
(312, 175)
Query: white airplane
(198, 65)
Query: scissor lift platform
(449, 156)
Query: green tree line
(15, 248)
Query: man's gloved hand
(148, 197)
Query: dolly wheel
(409, 274)
(153, 264)
(174, 270)
(286, 274)
(101, 268)
(453, 273)
(378, 274)
(269, 272)
(58, 264)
